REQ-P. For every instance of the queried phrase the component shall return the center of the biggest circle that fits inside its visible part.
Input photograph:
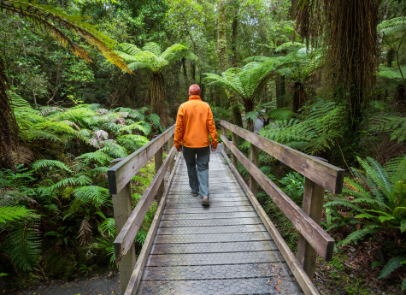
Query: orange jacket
(193, 124)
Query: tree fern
(24, 244)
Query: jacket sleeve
(211, 126)
(179, 128)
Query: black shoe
(195, 194)
(205, 201)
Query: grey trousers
(197, 162)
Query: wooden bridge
(231, 247)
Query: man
(193, 125)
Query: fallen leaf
(277, 288)
(279, 281)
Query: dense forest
(86, 82)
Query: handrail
(126, 237)
(317, 237)
(128, 221)
(122, 172)
(324, 174)
(319, 175)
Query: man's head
(194, 90)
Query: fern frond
(50, 164)
(24, 244)
(357, 235)
(8, 214)
(93, 194)
(392, 264)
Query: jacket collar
(194, 97)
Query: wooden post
(122, 210)
(235, 143)
(158, 164)
(254, 157)
(225, 135)
(170, 145)
(313, 198)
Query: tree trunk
(299, 96)
(223, 56)
(8, 123)
(158, 98)
(235, 108)
(280, 91)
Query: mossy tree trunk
(223, 56)
(8, 123)
(299, 97)
(159, 98)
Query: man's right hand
(179, 149)
(213, 149)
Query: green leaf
(100, 214)
(393, 264)
(403, 225)
(403, 285)
(382, 219)
(376, 263)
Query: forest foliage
(86, 82)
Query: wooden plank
(127, 234)
(195, 248)
(136, 275)
(326, 175)
(121, 173)
(210, 230)
(208, 209)
(158, 163)
(313, 199)
(215, 258)
(235, 143)
(266, 285)
(205, 272)
(215, 204)
(313, 233)
(209, 216)
(209, 222)
(254, 157)
(297, 270)
(212, 238)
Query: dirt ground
(108, 283)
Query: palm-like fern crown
(151, 56)
(248, 81)
(298, 64)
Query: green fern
(8, 214)
(317, 133)
(50, 164)
(357, 235)
(24, 244)
(93, 194)
(393, 124)
(392, 265)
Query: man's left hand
(179, 149)
(213, 149)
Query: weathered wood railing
(129, 221)
(319, 176)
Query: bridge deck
(222, 249)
